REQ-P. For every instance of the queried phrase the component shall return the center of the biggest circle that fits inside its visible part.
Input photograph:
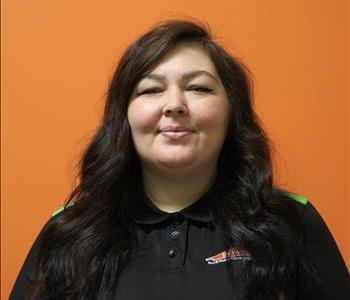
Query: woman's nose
(175, 104)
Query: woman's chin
(175, 162)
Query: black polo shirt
(182, 255)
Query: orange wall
(57, 58)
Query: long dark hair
(85, 249)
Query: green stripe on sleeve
(301, 199)
(61, 209)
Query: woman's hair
(84, 250)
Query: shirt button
(175, 235)
(172, 252)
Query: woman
(176, 197)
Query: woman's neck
(172, 193)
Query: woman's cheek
(143, 118)
(211, 118)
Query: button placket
(176, 241)
(175, 234)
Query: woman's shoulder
(26, 275)
(307, 209)
(322, 252)
(51, 220)
(309, 213)
(299, 202)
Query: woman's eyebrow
(185, 76)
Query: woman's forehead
(184, 76)
(185, 61)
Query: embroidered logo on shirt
(232, 253)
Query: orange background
(57, 59)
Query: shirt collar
(144, 211)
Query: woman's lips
(175, 135)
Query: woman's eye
(149, 91)
(200, 89)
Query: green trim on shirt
(61, 208)
(301, 199)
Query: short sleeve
(322, 252)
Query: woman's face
(179, 113)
